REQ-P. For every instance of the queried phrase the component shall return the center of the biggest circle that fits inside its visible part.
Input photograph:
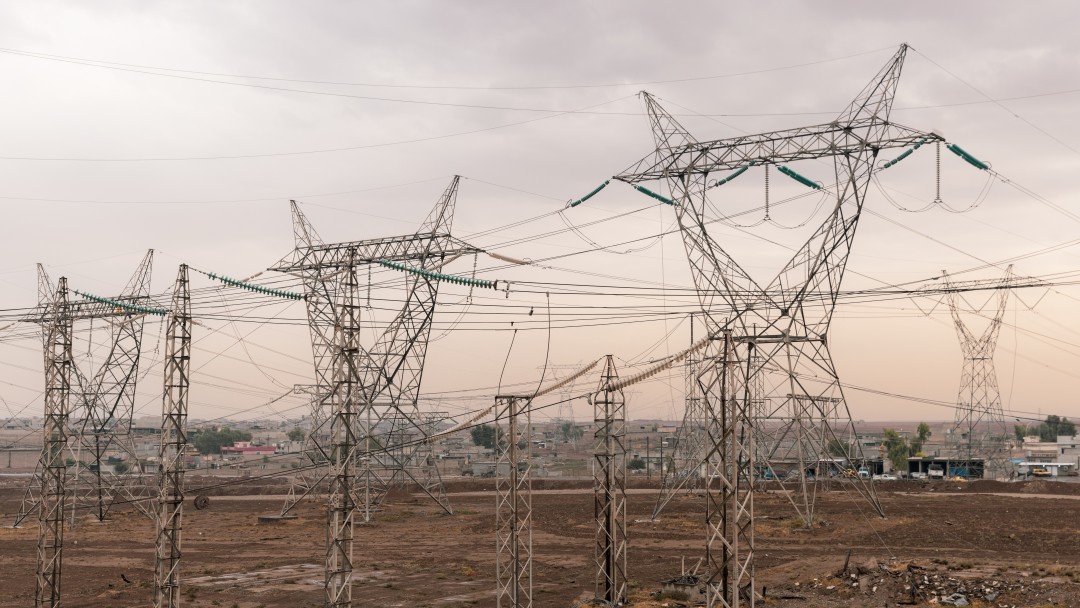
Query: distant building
(244, 448)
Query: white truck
(935, 471)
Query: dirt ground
(996, 544)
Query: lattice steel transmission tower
(390, 369)
(174, 413)
(59, 368)
(102, 405)
(609, 488)
(513, 503)
(979, 430)
(786, 320)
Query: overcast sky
(136, 125)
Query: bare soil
(1017, 543)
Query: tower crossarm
(393, 249)
(803, 143)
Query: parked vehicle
(1039, 472)
(935, 471)
(885, 477)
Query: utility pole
(174, 413)
(513, 504)
(609, 488)
(53, 467)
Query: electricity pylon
(513, 502)
(785, 321)
(52, 466)
(102, 405)
(174, 413)
(390, 368)
(609, 488)
(979, 429)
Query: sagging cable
(962, 153)
(280, 293)
(161, 312)
(806, 181)
(659, 197)
(595, 190)
(428, 274)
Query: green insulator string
(806, 181)
(906, 154)
(123, 305)
(974, 162)
(438, 276)
(737, 173)
(280, 293)
(659, 197)
(577, 202)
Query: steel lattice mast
(53, 468)
(609, 488)
(979, 429)
(174, 413)
(392, 367)
(513, 503)
(786, 320)
(729, 495)
(345, 399)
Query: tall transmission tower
(513, 503)
(609, 488)
(174, 413)
(787, 319)
(104, 404)
(390, 368)
(979, 430)
(52, 466)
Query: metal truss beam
(174, 413)
(513, 503)
(52, 465)
(609, 488)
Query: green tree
(568, 431)
(209, 441)
(635, 464)
(120, 468)
(1021, 431)
(296, 435)
(897, 449)
(483, 435)
(922, 434)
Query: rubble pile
(914, 583)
